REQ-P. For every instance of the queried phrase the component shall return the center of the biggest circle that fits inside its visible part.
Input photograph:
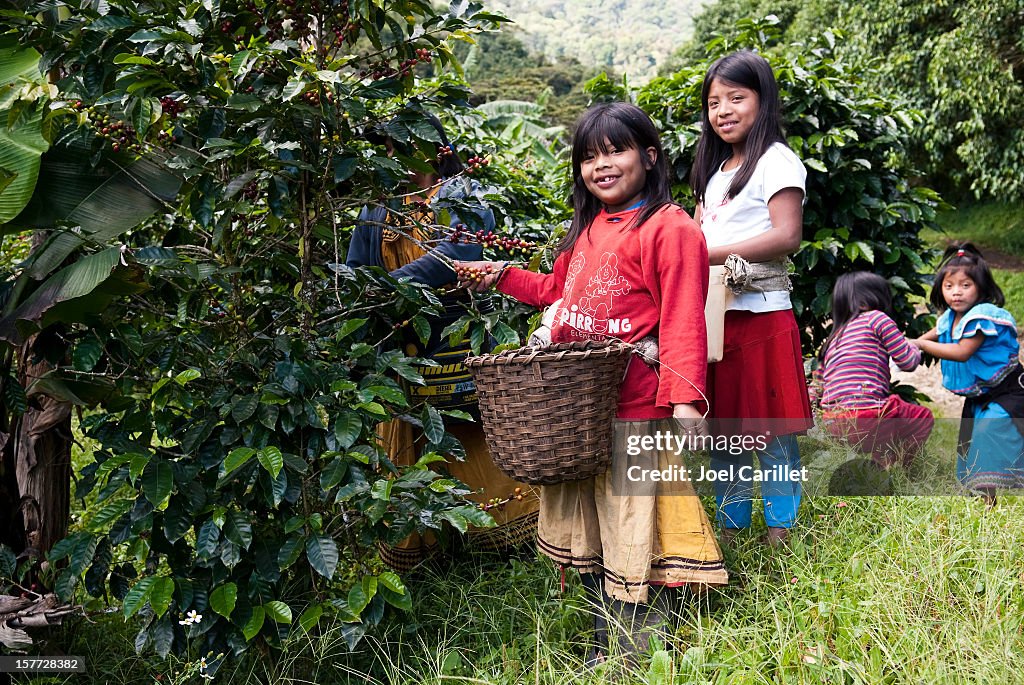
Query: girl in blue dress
(976, 341)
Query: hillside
(626, 36)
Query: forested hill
(627, 36)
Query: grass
(992, 225)
(1012, 285)
(871, 590)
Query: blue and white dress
(991, 449)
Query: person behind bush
(976, 341)
(749, 187)
(854, 374)
(632, 264)
(396, 242)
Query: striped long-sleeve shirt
(855, 373)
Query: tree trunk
(43, 460)
(35, 473)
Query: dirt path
(928, 379)
(997, 259)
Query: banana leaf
(73, 294)
(104, 199)
(21, 141)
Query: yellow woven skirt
(638, 536)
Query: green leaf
(292, 89)
(157, 481)
(243, 408)
(108, 513)
(347, 429)
(381, 490)
(272, 460)
(278, 611)
(433, 424)
(504, 334)
(8, 562)
(87, 352)
(104, 200)
(816, 164)
(344, 167)
(322, 553)
(237, 528)
(137, 465)
(187, 376)
(255, 622)
(22, 146)
(207, 539)
(223, 598)
(236, 458)
(422, 328)
(138, 595)
(332, 474)
(391, 581)
(389, 394)
(399, 601)
(160, 596)
(73, 285)
(357, 599)
(310, 617)
(289, 552)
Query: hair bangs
(600, 134)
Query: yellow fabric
(395, 249)
(517, 520)
(656, 533)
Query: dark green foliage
(500, 67)
(960, 63)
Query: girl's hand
(479, 276)
(690, 419)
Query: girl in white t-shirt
(749, 187)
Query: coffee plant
(212, 158)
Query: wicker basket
(549, 412)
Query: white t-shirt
(725, 222)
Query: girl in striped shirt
(855, 388)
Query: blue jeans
(781, 498)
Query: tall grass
(870, 590)
(993, 225)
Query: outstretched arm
(959, 351)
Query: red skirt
(759, 386)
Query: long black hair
(748, 70)
(854, 293)
(622, 126)
(967, 258)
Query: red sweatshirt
(629, 284)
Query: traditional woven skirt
(637, 536)
(516, 521)
(760, 382)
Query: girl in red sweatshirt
(633, 264)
